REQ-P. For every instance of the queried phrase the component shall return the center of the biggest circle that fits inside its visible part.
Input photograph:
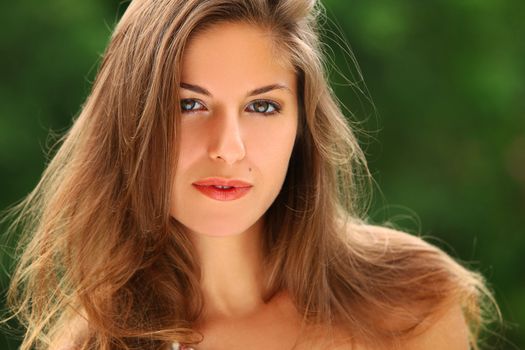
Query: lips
(215, 181)
(223, 189)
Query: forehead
(238, 55)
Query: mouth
(221, 192)
(222, 183)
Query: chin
(220, 227)
(216, 231)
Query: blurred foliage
(445, 135)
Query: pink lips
(235, 189)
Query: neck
(231, 272)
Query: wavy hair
(99, 246)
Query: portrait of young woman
(211, 195)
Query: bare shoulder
(447, 331)
(70, 335)
(420, 290)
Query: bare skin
(276, 325)
(223, 136)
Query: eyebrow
(200, 90)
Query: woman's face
(238, 122)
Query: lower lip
(223, 194)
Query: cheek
(191, 146)
(270, 147)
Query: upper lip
(217, 181)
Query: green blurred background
(445, 141)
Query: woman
(208, 196)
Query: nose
(226, 139)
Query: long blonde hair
(98, 240)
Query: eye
(190, 105)
(264, 107)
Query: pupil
(260, 106)
(188, 104)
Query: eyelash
(274, 105)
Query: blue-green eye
(264, 107)
(190, 105)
